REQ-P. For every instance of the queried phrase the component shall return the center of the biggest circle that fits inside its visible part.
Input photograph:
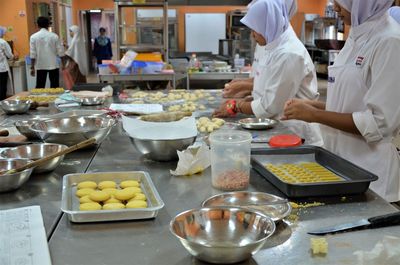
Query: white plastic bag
(192, 161)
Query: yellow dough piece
(110, 191)
(136, 204)
(129, 183)
(107, 184)
(99, 196)
(113, 206)
(90, 206)
(112, 200)
(87, 185)
(85, 199)
(134, 190)
(124, 194)
(139, 197)
(84, 192)
(319, 246)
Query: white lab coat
(45, 46)
(285, 70)
(257, 55)
(5, 54)
(365, 81)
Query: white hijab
(394, 12)
(77, 50)
(363, 10)
(268, 18)
(291, 7)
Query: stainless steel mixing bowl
(162, 150)
(92, 101)
(24, 128)
(222, 235)
(15, 106)
(73, 130)
(10, 182)
(35, 152)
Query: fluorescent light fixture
(95, 11)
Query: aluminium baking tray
(70, 203)
(356, 179)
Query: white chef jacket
(5, 53)
(45, 46)
(257, 55)
(365, 81)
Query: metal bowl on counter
(222, 235)
(271, 205)
(24, 128)
(73, 130)
(15, 106)
(258, 123)
(162, 150)
(35, 152)
(9, 182)
(92, 101)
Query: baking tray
(356, 179)
(70, 203)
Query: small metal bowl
(162, 150)
(15, 106)
(258, 123)
(92, 101)
(268, 204)
(9, 182)
(24, 128)
(35, 152)
(222, 235)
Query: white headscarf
(394, 12)
(77, 50)
(268, 18)
(363, 10)
(291, 6)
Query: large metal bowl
(222, 235)
(92, 101)
(24, 128)
(73, 130)
(10, 182)
(35, 152)
(15, 106)
(162, 150)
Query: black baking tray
(357, 180)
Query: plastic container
(194, 64)
(238, 62)
(230, 159)
(104, 69)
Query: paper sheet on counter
(22, 237)
(386, 251)
(137, 108)
(139, 129)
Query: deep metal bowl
(35, 152)
(271, 205)
(92, 101)
(73, 130)
(162, 150)
(24, 128)
(10, 182)
(15, 106)
(258, 123)
(222, 235)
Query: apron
(346, 89)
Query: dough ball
(110, 191)
(84, 192)
(112, 200)
(99, 196)
(124, 194)
(85, 199)
(113, 206)
(129, 183)
(90, 206)
(107, 184)
(87, 185)
(139, 197)
(134, 189)
(136, 204)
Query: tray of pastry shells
(110, 196)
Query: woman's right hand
(232, 89)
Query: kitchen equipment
(15, 106)
(92, 101)
(285, 140)
(230, 159)
(4, 133)
(222, 235)
(370, 223)
(328, 44)
(325, 28)
(162, 150)
(72, 130)
(258, 123)
(356, 179)
(13, 181)
(24, 128)
(273, 206)
(70, 203)
(35, 152)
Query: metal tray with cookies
(75, 203)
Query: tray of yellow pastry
(310, 171)
(110, 196)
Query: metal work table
(112, 78)
(214, 76)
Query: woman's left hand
(297, 109)
(222, 111)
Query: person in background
(362, 112)
(394, 12)
(75, 61)
(102, 47)
(5, 54)
(240, 88)
(45, 46)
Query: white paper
(192, 161)
(386, 251)
(23, 238)
(145, 130)
(138, 108)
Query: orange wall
(78, 5)
(306, 7)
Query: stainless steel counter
(112, 78)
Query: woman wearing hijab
(102, 47)
(362, 112)
(240, 88)
(76, 65)
(394, 12)
(5, 54)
